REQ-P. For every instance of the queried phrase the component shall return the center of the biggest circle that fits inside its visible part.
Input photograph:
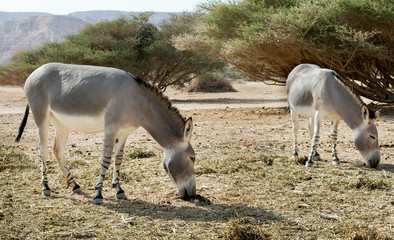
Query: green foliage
(267, 39)
(131, 44)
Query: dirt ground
(250, 188)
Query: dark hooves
(98, 199)
(309, 164)
(77, 189)
(120, 193)
(46, 192)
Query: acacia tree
(267, 39)
(131, 44)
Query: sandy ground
(251, 100)
(249, 94)
(243, 124)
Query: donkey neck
(348, 108)
(162, 121)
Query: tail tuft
(23, 124)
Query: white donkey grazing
(319, 94)
(94, 99)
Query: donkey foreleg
(119, 146)
(315, 139)
(109, 140)
(334, 138)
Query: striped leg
(109, 140)
(119, 145)
(296, 127)
(43, 128)
(311, 126)
(315, 139)
(59, 151)
(334, 138)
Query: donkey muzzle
(373, 159)
(187, 189)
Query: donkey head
(179, 163)
(366, 137)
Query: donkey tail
(23, 124)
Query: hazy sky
(62, 7)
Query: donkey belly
(306, 111)
(80, 123)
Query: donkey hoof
(336, 162)
(98, 201)
(121, 196)
(77, 189)
(46, 193)
(309, 164)
(317, 158)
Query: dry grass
(140, 153)
(245, 229)
(248, 186)
(211, 82)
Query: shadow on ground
(209, 213)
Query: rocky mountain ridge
(23, 31)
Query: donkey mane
(163, 99)
(356, 97)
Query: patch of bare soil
(248, 186)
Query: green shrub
(128, 43)
(267, 39)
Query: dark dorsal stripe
(155, 91)
(354, 94)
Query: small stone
(303, 206)
(197, 202)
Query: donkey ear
(188, 129)
(365, 113)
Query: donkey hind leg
(118, 153)
(334, 138)
(296, 127)
(311, 128)
(315, 139)
(43, 128)
(59, 151)
(109, 140)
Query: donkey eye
(193, 159)
(373, 137)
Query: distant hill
(32, 32)
(5, 16)
(29, 30)
(96, 16)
